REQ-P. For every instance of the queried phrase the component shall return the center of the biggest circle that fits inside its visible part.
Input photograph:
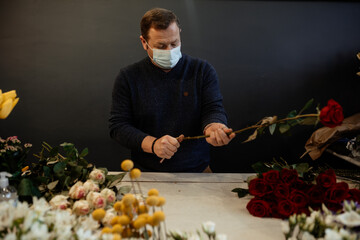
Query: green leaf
(124, 190)
(260, 167)
(27, 188)
(59, 169)
(272, 128)
(307, 105)
(52, 185)
(301, 168)
(284, 127)
(114, 179)
(76, 172)
(84, 152)
(291, 114)
(47, 171)
(104, 170)
(67, 182)
(242, 192)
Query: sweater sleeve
(121, 122)
(212, 106)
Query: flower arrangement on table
(325, 224)
(279, 194)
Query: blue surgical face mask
(166, 59)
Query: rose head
(299, 198)
(286, 208)
(272, 176)
(332, 114)
(316, 194)
(338, 192)
(289, 176)
(354, 195)
(281, 190)
(258, 208)
(258, 187)
(326, 179)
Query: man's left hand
(218, 133)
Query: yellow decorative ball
(117, 206)
(127, 165)
(128, 199)
(123, 220)
(159, 216)
(116, 236)
(114, 220)
(139, 223)
(150, 220)
(117, 228)
(106, 230)
(98, 214)
(161, 202)
(153, 191)
(143, 209)
(135, 173)
(152, 200)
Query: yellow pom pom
(159, 216)
(144, 216)
(117, 206)
(150, 220)
(114, 220)
(139, 223)
(117, 228)
(153, 191)
(116, 236)
(161, 202)
(128, 199)
(98, 214)
(127, 165)
(123, 220)
(106, 230)
(152, 200)
(143, 209)
(135, 173)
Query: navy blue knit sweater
(148, 101)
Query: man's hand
(218, 134)
(167, 146)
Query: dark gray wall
(271, 56)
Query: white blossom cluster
(324, 225)
(41, 222)
(207, 227)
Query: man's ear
(143, 42)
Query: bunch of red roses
(280, 194)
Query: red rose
(338, 192)
(326, 179)
(332, 114)
(333, 206)
(289, 176)
(286, 208)
(258, 208)
(258, 187)
(354, 195)
(316, 194)
(271, 177)
(300, 185)
(281, 190)
(299, 198)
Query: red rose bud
(338, 192)
(281, 191)
(299, 198)
(326, 179)
(354, 195)
(271, 177)
(286, 208)
(316, 194)
(258, 208)
(289, 176)
(258, 187)
(332, 114)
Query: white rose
(109, 195)
(96, 200)
(77, 191)
(209, 227)
(97, 175)
(81, 207)
(91, 186)
(349, 219)
(59, 202)
(110, 214)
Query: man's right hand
(167, 146)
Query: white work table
(193, 198)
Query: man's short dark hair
(158, 18)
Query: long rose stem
(258, 125)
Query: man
(165, 96)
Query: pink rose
(59, 202)
(109, 195)
(91, 186)
(77, 191)
(96, 200)
(81, 207)
(97, 175)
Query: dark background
(271, 56)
